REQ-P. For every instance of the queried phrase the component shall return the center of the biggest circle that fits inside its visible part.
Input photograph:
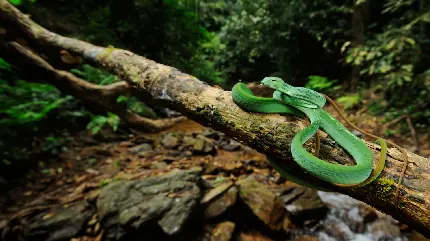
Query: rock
(338, 230)
(171, 140)
(108, 135)
(199, 144)
(220, 204)
(263, 202)
(211, 133)
(216, 191)
(165, 201)
(145, 147)
(223, 231)
(142, 139)
(357, 133)
(383, 229)
(233, 167)
(174, 153)
(232, 145)
(62, 223)
(165, 112)
(203, 146)
(159, 166)
(369, 214)
(304, 205)
(356, 217)
(211, 168)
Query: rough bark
(267, 133)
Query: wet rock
(62, 223)
(165, 201)
(223, 231)
(369, 214)
(263, 202)
(171, 140)
(221, 203)
(304, 205)
(232, 145)
(357, 217)
(338, 230)
(145, 147)
(383, 229)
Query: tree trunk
(359, 17)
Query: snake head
(273, 82)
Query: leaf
(407, 67)
(121, 98)
(349, 101)
(390, 44)
(410, 40)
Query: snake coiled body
(300, 101)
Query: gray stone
(166, 200)
(145, 147)
(62, 223)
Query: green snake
(301, 101)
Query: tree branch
(268, 133)
(103, 96)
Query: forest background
(371, 56)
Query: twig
(416, 147)
(386, 125)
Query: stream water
(346, 222)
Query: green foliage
(26, 103)
(349, 101)
(283, 38)
(394, 56)
(53, 144)
(94, 75)
(166, 31)
(98, 122)
(390, 57)
(321, 84)
(19, 2)
(203, 63)
(137, 106)
(214, 13)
